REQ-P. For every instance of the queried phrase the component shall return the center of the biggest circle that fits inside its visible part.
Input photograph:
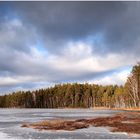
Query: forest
(75, 95)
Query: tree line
(79, 95)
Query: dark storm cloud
(70, 20)
(124, 32)
(117, 22)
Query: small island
(128, 122)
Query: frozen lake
(12, 119)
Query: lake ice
(12, 119)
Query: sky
(46, 43)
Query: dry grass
(107, 108)
(57, 125)
(123, 122)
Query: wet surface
(12, 119)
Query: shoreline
(127, 109)
(92, 108)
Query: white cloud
(80, 57)
(118, 78)
(8, 81)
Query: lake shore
(106, 108)
(103, 108)
(128, 122)
(69, 108)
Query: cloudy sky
(45, 43)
